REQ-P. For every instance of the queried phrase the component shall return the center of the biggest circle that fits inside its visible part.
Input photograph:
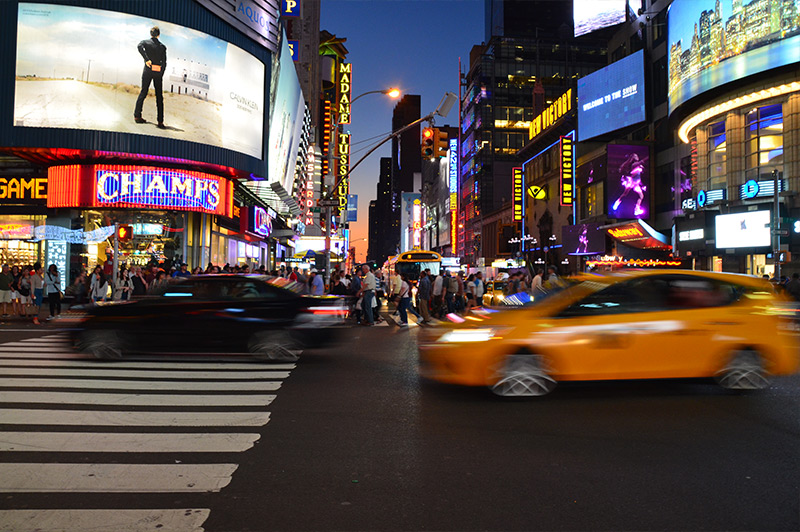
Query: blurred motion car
(631, 325)
(494, 293)
(213, 314)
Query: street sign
(781, 232)
(329, 203)
(314, 209)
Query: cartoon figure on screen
(631, 178)
(583, 241)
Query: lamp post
(776, 225)
(326, 200)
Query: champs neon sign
(158, 188)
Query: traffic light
(427, 143)
(124, 233)
(440, 140)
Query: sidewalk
(68, 318)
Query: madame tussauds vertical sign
(345, 90)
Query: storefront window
(592, 200)
(764, 142)
(717, 165)
(15, 233)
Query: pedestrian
(480, 289)
(24, 290)
(154, 54)
(123, 288)
(437, 295)
(469, 289)
(458, 302)
(793, 287)
(315, 284)
(139, 284)
(368, 285)
(450, 289)
(355, 289)
(99, 291)
(183, 271)
(338, 288)
(404, 301)
(159, 285)
(37, 289)
(15, 276)
(52, 289)
(553, 280)
(538, 287)
(424, 295)
(5, 288)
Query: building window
(592, 200)
(764, 142)
(717, 166)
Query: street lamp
(391, 93)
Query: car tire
(744, 371)
(274, 346)
(102, 344)
(522, 374)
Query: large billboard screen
(628, 184)
(743, 229)
(81, 68)
(611, 98)
(713, 42)
(591, 172)
(583, 239)
(591, 15)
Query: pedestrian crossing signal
(124, 233)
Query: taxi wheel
(745, 371)
(105, 345)
(274, 346)
(523, 375)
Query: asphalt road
(355, 441)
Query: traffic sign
(781, 232)
(329, 203)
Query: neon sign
(306, 192)
(634, 263)
(550, 116)
(453, 168)
(517, 194)
(260, 221)
(16, 231)
(22, 189)
(453, 220)
(632, 232)
(567, 170)
(345, 86)
(344, 166)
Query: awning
(637, 234)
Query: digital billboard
(611, 98)
(591, 172)
(743, 229)
(591, 15)
(583, 239)
(81, 68)
(627, 186)
(713, 42)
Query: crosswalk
(71, 424)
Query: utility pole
(776, 225)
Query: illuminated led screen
(81, 68)
(744, 229)
(611, 98)
(591, 172)
(591, 15)
(628, 181)
(710, 47)
(583, 239)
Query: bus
(411, 263)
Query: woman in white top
(123, 288)
(99, 287)
(52, 289)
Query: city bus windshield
(413, 269)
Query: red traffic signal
(124, 233)
(427, 142)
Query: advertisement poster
(713, 42)
(80, 68)
(583, 239)
(628, 185)
(591, 15)
(612, 97)
(743, 229)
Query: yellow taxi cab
(493, 294)
(630, 325)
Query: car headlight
(468, 335)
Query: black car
(213, 314)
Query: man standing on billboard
(155, 62)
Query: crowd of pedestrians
(24, 290)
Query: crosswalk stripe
(124, 442)
(120, 418)
(134, 399)
(114, 478)
(49, 348)
(179, 520)
(107, 364)
(94, 384)
(155, 374)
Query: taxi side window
(686, 292)
(615, 299)
(251, 290)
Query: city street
(350, 439)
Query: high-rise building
(384, 227)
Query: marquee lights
(345, 87)
(517, 194)
(138, 187)
(551, 115)
(634, 263)
(23, 188)
(567, 170)
(749, 99)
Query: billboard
(627, 186)
(583, 239)
(81, 68)
(714, 42)
(287, 108)
(743, 229)
(612, 97)
(591, 15)
(591, 172)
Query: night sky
(410, 44)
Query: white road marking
(160, 386)
(116, 478)
(125, 442)
(184, 520)
(146, 364)
(128, 399)
(21, 416)
(155, 374)
(65, 355)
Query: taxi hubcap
(523, 376)
(277, 346)
(744, 372)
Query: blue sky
(411, 44)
